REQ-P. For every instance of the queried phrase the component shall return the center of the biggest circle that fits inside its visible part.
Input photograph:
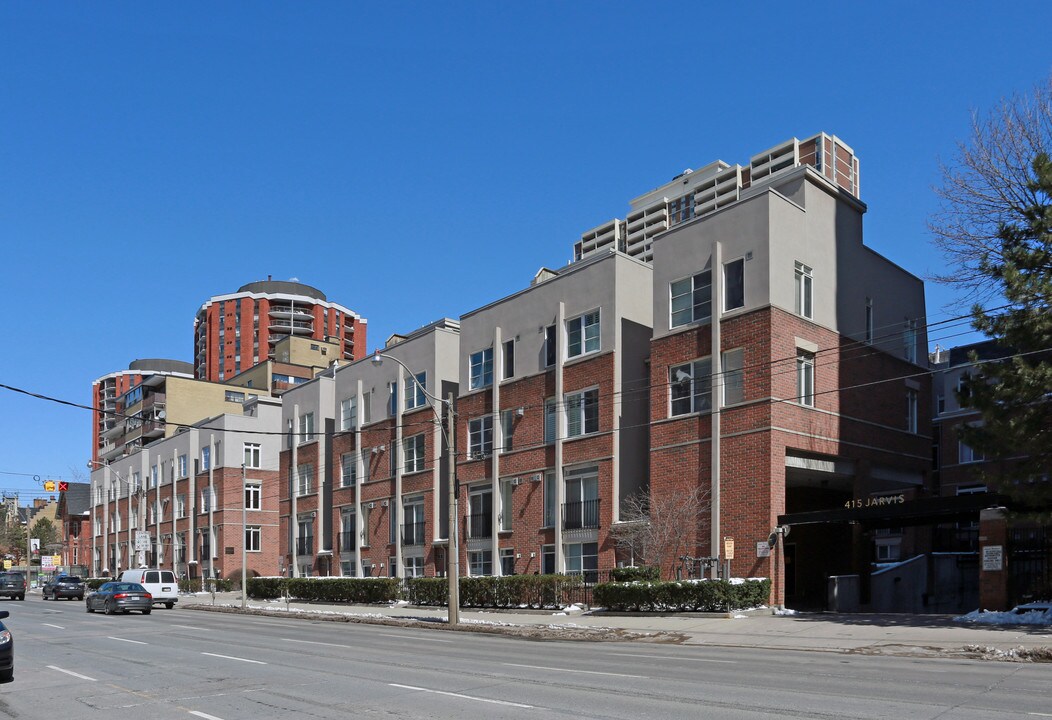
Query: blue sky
(418, 160)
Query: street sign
(142, 541)
(47, 562)
(728, 548)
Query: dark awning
(921, 511)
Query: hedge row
(535, 591)
(633, 574)
(197, 585)
(329, 589)
(698, 596)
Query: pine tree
(1014, 394)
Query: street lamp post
(446, 422)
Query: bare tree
(657, 531)
(989, 185)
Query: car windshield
(128, 587)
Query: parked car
(122, 596)
(159, 583)
(13, 585)
(67, 586)
(7, 651)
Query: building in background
(237, 331)
(74, 513)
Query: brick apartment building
(238, 331)
(186, 493)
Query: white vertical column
(717, 402)
(560, 434)
(497, 438)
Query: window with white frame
(582, 335)
(182, 466)
(507, 429)
(911, 410)
(583, 559)
(349, 414)
(348, 530)
(481, 369)
(506, 495)
(550, 346)
(804, 291)
(550, 499)
(734, 284)
(690, 299)
(690, 387)
(480, 562)
(413, 450)
(547, 559)
(507, 561)
(306, 427)
(304, 479)
(253, 535)
(805, 378)
(253, 497)
(414, 391)
(392, 399)
(348, 470)
(480, 437)
(208, 499)
(180, 506)
(582, 413)
(733, 376)
(253, 455)
(155, 474)
(550, 416)
(414, 566)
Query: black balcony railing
(581, 514)
(480, 525)
(348, 541)
(413, 533)
(305, 546)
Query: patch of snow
(986, 617)
(785, 611)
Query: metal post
(244, 540)
(453, 555)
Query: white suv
(159, 583)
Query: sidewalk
(920, 635)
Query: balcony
(413, 534)
(581, 515)
(305, 546)
(348, 541)
(480, 525)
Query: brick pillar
(993, 555)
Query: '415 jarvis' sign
(880, 501)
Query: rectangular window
(414, 566)
(549, 346)
(583, 559)
(869, 320)
(549, 499)
(691, 387)
(547, 559)
(180, 506)
(306, 427)
(413, 522)
(549, 420)
(481, 562)
(481, 369)
(414, 391)
(154, 474)
(582, 335)
(348, 531)
(582, 413)
(208, 499)
(253, 453)
(252, 538)
(967, 454)
(304, 479)
(253, 497)
(691, 299)
(413, 449)
(506, 492)
(349, 414)
(508, 360)
(392, 399)
(507, 429)
(909, 341)
(348, 470)
(733, 376)
(233, 396)
(805, 378)
(804, 291)
(507, 561)
(480, 437)
(734, 284)
(182, 466)
(911, 410)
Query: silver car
(122, 596)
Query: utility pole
(453, 554)
(244, 539)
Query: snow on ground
(986, 617)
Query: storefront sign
(881, 501)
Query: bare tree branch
(657, 531)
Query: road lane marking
(231, 657)
(70, 672)
(1040, 714)
(137, 642)
(587, 672)
(315, 642)
(464, 697)
(189, 627)
(669, 657)
(206, 716)
(414, 639)
(54, 626)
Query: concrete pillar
(993, 557)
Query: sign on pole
(142, 541)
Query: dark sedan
(66, 586)
(112, 597)
(7, 651)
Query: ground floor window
(547, 559)
(252, 535)
(347, 568)
(481, 562)
(414, 566)
(583, 559)
(507, 561)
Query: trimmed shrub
(512, 591)
(266, 588)
(633, 574)
(427, 590)
(697, 596)
(344, 590)
(197, 585)
(95, 583)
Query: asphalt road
(183, 664)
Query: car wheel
(43, 596)
(88, 608)
(7, 675)
(109, 608)
(80, 597)
(22, 597)
(147, 611)
(169, 605)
